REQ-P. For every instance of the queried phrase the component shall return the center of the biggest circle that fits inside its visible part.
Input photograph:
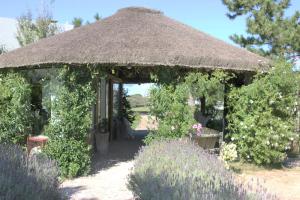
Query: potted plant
(102, 137)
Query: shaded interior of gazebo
(130, 45)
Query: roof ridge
(140, 10)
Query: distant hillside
(137, 100)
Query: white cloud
(8, 30)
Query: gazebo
(137, 38)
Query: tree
(270, 30)
(25, 29)
(126, 110)
(77, 22)
(2, 49)
(97, 17)
(29, 30)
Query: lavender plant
(180, 170)
(23, 177)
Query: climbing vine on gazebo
(169, 100)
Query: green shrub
(262, 115)
(72, 156)
(25, 178)
(169, 101)
(170, 106)
(70, 122)
(71, 115)
(15, 108)
(210, 86)
(178, 170)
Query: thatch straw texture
(135, 36)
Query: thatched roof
(135, 36)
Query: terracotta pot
(36, 141)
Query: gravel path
(109, 174)
(108, 184)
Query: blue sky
(206, 15)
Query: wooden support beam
(95, 109)
(102, 99)
(110, 109)
(225, 110)
(120, 99)
(202, 108)
(298, 114)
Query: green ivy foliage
(262, 115)
(73, 156)
(70, 122)
(211, 86)
(169, 101)
(15, 108)
(170, 106)
(71, 113)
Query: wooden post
(110, 109)
(225, 110)
(95, 109)
(120, 99)
(298, 114)
(102, 99)
(202, 109)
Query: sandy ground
(109, 174)
(285, 183)
(147, 122)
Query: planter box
(208, 139)
(102, 142)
